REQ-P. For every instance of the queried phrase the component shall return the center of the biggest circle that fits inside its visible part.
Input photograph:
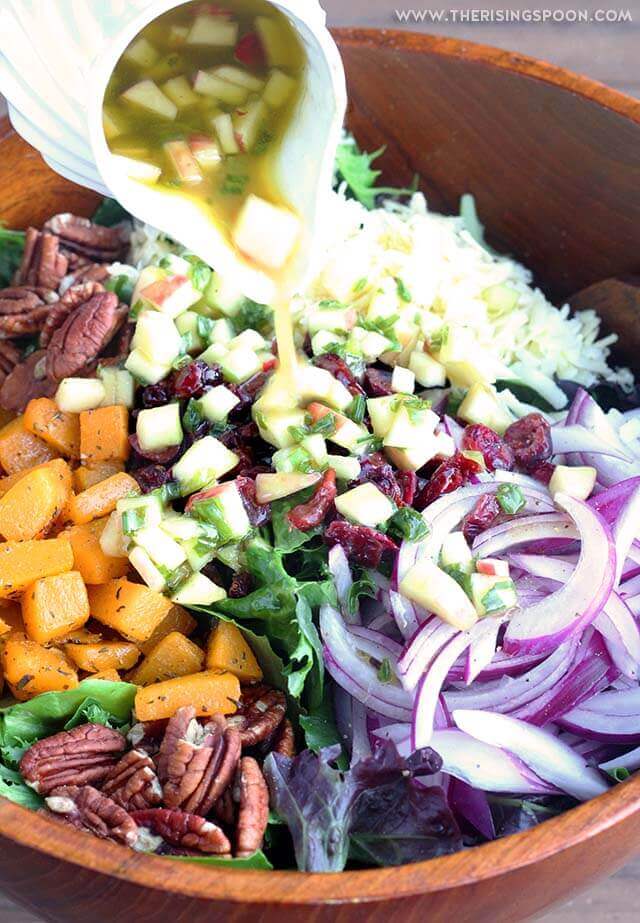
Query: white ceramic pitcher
(56, 57)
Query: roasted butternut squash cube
(30, 507)
(210, 693)
(20, 449)
(109, 676)
(101, 499)
(22, 563)
(88, 557)
(10, 617)
(227, 649)
(87, 475)
(54, 606)
(105, 655)
(104, 434)
(59, 429)
(178, 619)
(132, 609)
(174, 656)
(31, 669)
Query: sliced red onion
(621, 635)
(522, 480)
(501, 665)
(343, 581)
(541, 565)
(428, 691)
(625, 529)
(445, 514)
(421, 650)
(545, 527)
(630, 761)
(482, 649)
(511, 692)
(453, 429)
(609, 502)
(355, 674)
(472, 805)
(360, 746)
(625, 703)
(541, 751)
(586, 412)
(376, 645)
(614, 728)
(591, 672)
(404, 614)
(576, 438)
(486, 767)
(546, 624)
(630, 587)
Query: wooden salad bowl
(553, 160)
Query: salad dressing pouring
(204, 133)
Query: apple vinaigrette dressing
(198, 104)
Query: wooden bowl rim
(578, 826)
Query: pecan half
(187, 831)
(251, 792)
(26, 381)
(132, 782)
(260, 712)
(42, 261)
(284, 741)
(83, 335)
(76, 757)
(23, 309)
(199, 765)
(88, 809)
(176, 729)
(90, 272)
(74, 297)
(79, 235)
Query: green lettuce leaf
(257, 861)
(13, 788)
(110, 212)
(354, 167)
(286, 538)
(11, 249)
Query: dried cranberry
(530, 440)
(247, 392)
(309, 515)
(361, 544)
(453, 473)
(481, 516)
(495, 451)
(408, 481)
(258, 513)
(156, 395)
(241, 585)
(193, 379)
(250, 52)
(151, 477)
(377, 383)
(543, 472)
(340, 370)
(164, 457)
(377, 470)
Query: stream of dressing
(199, 103)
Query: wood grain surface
(608, 53)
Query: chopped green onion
(510, 498)
(384, 671)
(403, 292)
(408, 524)
(357, 408)
(132, 520)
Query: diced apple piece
(179, 91)
(141, 52)
(110, 124)
(275, 426)
(113, 541)
(159, 427)
(278, 89)
(577, 482)
(428, 371)
(273, 39)
(172, 295)
(77, 394)
(149, 96)
(161, 548)
(183, 161)
(248, 123)
(206, 151)
(198, 590)
(271, 487)
(119, 387)
(438, 445)
(265, 232)
(248, 339)
(178, 34)
(222, 507)
(138, 169)
(348, 435)
(455, 552)
(345, 467)
(224, 129)
(240, 364)
(429, 586)
(214, 354)
(365, 505)
(217, 404)
(144, 369)
(206, 460)
(239, 77)
(157, 336)
(317, 384)
(213, 30)
(412, 430)
(403, 381)
(492, 594)
(140, 561)
(493, 567)
(481, 405)
(207, 84)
